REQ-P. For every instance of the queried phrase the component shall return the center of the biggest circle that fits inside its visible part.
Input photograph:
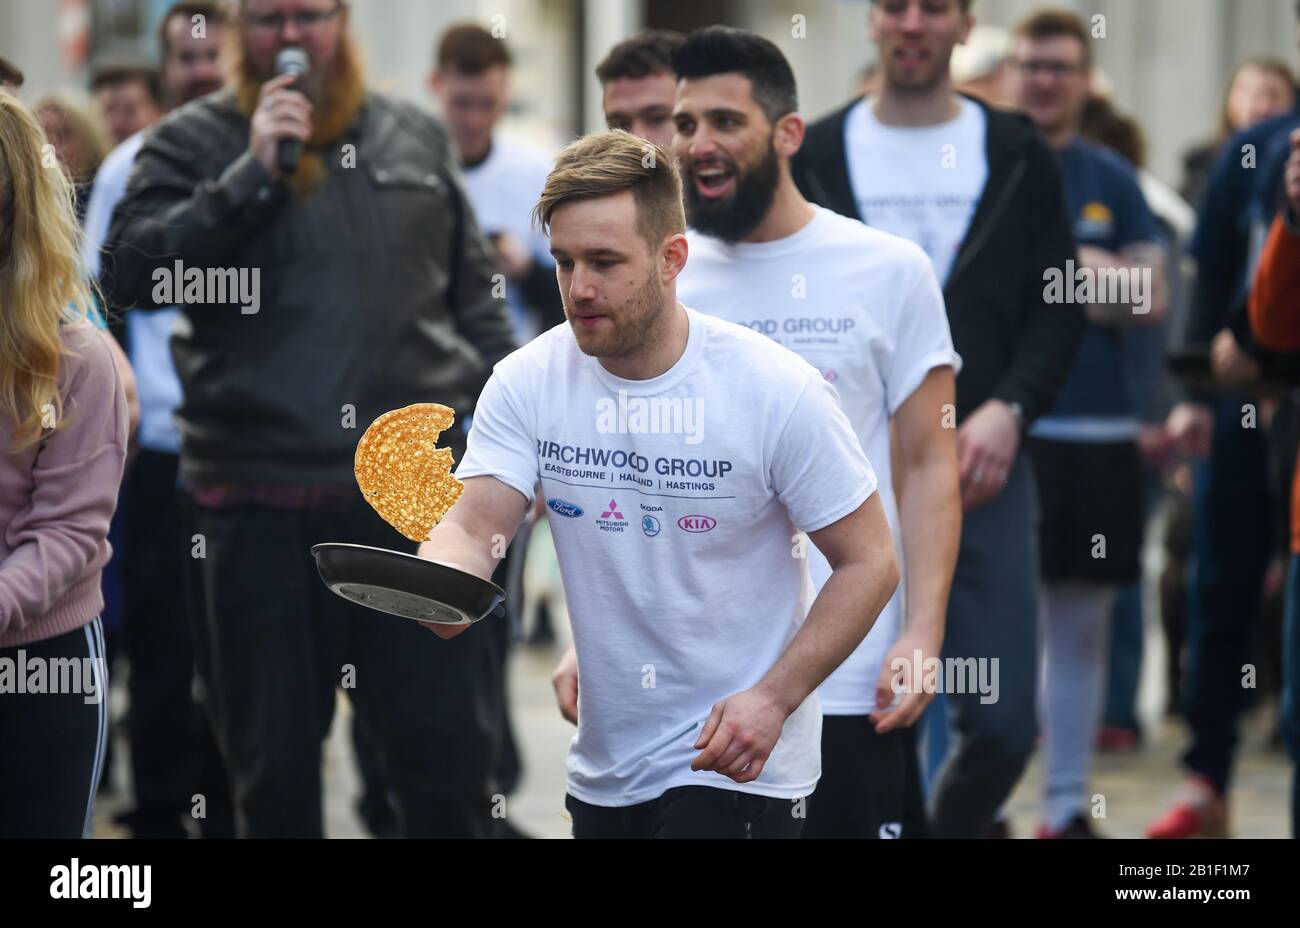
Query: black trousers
(860, 793)
(690, 812)
(173, 753)
(375, 802)
(52, 744)
(275, 645)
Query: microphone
(291, 60)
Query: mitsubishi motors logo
(611, 520)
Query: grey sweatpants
(992, 615)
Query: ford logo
(696, 524)
(565, 508)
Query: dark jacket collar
(822, 167)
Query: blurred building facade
(1167, 60)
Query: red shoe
(1114, 740)
(1201, 813)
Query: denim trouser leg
(1291, 686)
(1232, 542)
(992, 613)
(1125, 664)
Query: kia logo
(565, 508)
(696, 524)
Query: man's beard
(336, 91)
(733, 218)
(919, 81)
(637, 325)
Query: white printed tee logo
(104, 881)
(891, 830)
(611, 520)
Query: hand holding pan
(407, 479)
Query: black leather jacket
(374, 293)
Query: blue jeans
(1232, 541)
(1125, 669)
(1291, 686)
(992, 614)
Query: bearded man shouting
(314, 297)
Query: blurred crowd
(404, 274)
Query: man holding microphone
(365, 285)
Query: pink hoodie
(58, 496)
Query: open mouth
(713, 181)
(913, 55)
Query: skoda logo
(565, 508)
(650, 525)
(696, 524)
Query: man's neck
(895, 106)
(474, 160)
(1060, 138)
(788, 213)
(657, 358)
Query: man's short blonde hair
(606, 163)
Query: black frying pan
(406, 585)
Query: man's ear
(968, 23)
(672, 257)
(787, 135)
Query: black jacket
(375, 293)
(1014, 345)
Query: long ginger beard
(336, 93)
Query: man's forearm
(929, 512)
(840, 618)
(452, 544)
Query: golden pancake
(403, 473)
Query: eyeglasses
(1056, 69)
(305, 20)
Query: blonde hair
(606, 163)
(42, 277)
(1274, 67)
(83, 123)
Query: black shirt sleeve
(1045, 350)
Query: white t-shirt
(922, 183)
(864, 308)
(676, 546)
(503, 188)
